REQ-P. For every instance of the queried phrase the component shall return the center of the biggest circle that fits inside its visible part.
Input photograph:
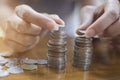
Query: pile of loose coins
(11, 65)
(83, 51)
(57, 49)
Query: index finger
(111, 15)
(31, 16)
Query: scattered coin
(15, 70)
(3, 60)
(12, 60)
(3, 73)
(29, 66)
(29, 61)
(42, 61)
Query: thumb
(87, 16)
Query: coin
(15, 70)
(11, 64)
(29, 61)
(29, 66)
(3, 60)
(42, 61)
(3, 73)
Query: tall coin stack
(83, 50)
(57, 49)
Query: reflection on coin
(3, 60)
(15, 70)
(29, 61)
(29, 66)
(12, 60)
(42, 61)
(3, 73)
(11, 64)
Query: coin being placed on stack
(83, 50)
(57, 49)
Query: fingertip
(57, 19)
(52, 26)
(60, 22)
(78, 32)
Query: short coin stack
(57, 49)
(82, 52)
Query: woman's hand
(103, 20)
(24, 27)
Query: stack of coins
(83, 50)
(57, 49)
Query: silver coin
(29, 61)
(15, 70)
(11, 64)
(3, 73)
(3, 60)
(42, 61)
(29, 66)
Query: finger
(22, 27)
(56, 18)
(25, 40)
(113, 30)
(87, 14)
(31, 16)
(111, 15)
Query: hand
(23, 28)
(103, 20)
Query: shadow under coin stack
(83, 50)
(56, 50)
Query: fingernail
(60, 25)
(63, 23)
(56, 28)
(90, 33)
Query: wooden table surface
(106, 67)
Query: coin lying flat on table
(3, 73)
(15, 70)
(3, 60)
(42, 61)
(29, 61)
(29, 66)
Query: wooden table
(101, 69)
